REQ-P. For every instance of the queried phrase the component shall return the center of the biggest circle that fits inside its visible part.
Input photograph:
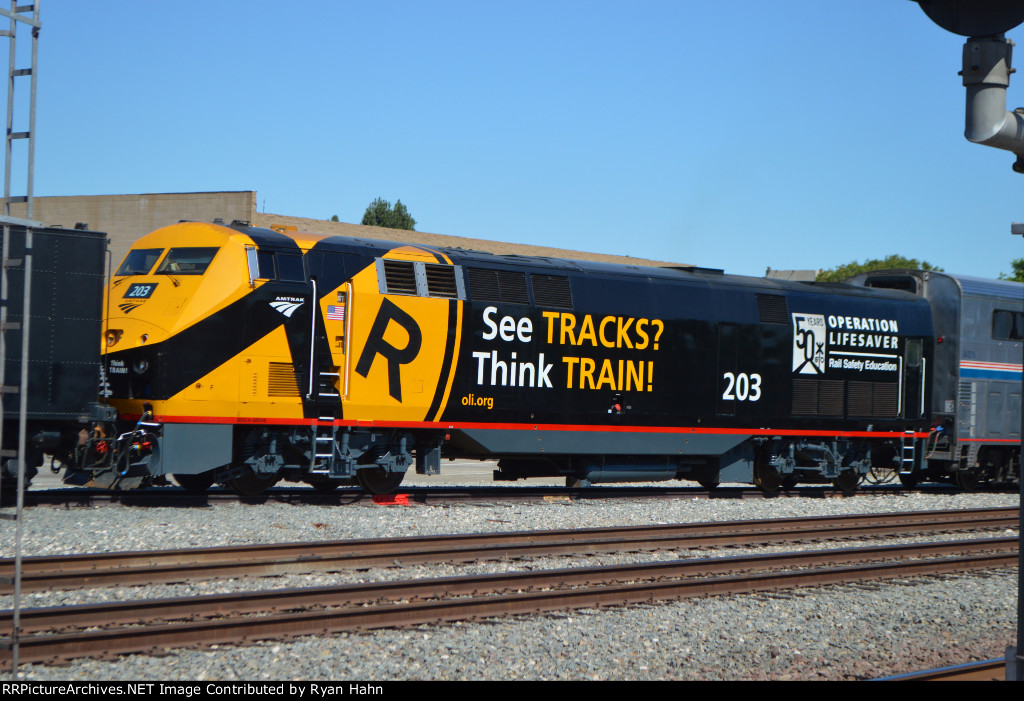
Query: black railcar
(66, 319)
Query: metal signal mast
(26, 16)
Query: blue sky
(737, 135)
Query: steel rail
(417, 543)
(109, 642)
(250, 602)
(981, 671)
(122, 569)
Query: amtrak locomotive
(244, 356)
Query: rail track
(149, 567)
(981, 671)
(246, 617)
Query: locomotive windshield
(186, 261)
(139, 261)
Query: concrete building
(125, 218)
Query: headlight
(140, 366)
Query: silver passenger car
(975, 375)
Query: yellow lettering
(640, 326)
(587, 367)
(635, 375)
(587, 331)
(607, 375)
(551, 316)
(571, 362)
(661, 328)
(623, 338)
(568, 324)
(604, 322)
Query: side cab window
(275, 265)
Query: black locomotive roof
(588, 269)
(709, 277)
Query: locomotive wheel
(251, 484)
(709, 484)
(195, 483)
(847, 482)
(377, 480)
(767, 477)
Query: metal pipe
(987, 65)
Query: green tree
(1018, 271)
(842, 272)
(335, 218)
(381, 213)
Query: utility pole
(987, 66)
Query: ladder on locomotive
(908, 458)
(325, 444)
(324, 379)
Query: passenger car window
(1007, 325)
(139, 261)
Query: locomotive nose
(124, 332)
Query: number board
(140, 291)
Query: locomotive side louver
(403, 277)
(551, 291)
(441, 281)
(873, 399)
(400, 277)
(772, 309)
(513, 287)
(498, 286)
(818, 397)
(281, 381)
(483, 285)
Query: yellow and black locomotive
(244, 356)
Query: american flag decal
(336, 312)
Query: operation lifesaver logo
(844, 343)
(809, 339)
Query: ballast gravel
(830, 632)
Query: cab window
(275, 265)
(289, 268)
(186, 261)
(139, 261)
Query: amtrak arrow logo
(287, 305)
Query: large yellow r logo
(394, 356)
